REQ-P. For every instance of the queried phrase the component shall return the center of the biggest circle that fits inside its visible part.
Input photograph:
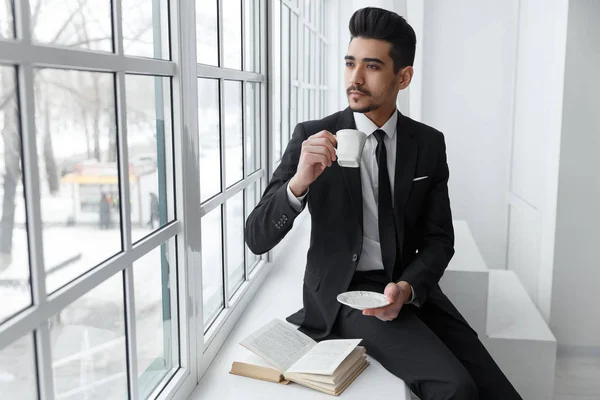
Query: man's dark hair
(377, 23)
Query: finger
(374, 312)
(328, 135)
(314, 158)
(378, 309)
(391, 292)
(321, 141)
(318, 149)
(319, 157)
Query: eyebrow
(367, 59)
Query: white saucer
(362, 299)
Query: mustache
(356, 89)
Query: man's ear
(405, 77)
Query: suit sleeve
(436, 245)
(273, 216)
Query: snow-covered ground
(88, 336)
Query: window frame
(196, 349)
(309, 37)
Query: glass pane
(146, 28)
(294, 46)
(252, 127)
(75, 23)
(79, 182)
(306, 107)
(251, 35)
(149, 138)
(276, 139)
(17, 370)
(285, 77)
(156, 331)
(7, 28)
(322, 14)
(317, 59)
(313, 104)
(15, 287)
(232, 34)
(251, 193)
(322, 63)
(235, 241)
(208, 129)
(207, 43)
(307, 57)
(293, 108)
(212, 266)
(306, 10)
(311, 62)
(257, 36)
(88, 345)
(233, 132)
(299, 115)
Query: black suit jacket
(422, 211)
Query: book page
(354, 358)
(325, 357)
(278, 343)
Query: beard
(360, 109)
(363, 109)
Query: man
(384, 227)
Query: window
(299, 84)
(133, 149)
(231, 145)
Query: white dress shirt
(370, 258)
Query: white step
(465, 281)
(518, 337)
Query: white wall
(468, 91)
(415, 10)
(575, 316)
(536, 144)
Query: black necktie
(387, 226)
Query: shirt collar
(365, 125)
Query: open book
(328, 366)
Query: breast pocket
(418, 194)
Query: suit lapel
(352, 175)
(407, 150)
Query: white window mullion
(66, 58)
(34, 228)
(221, 36)
(125, 204)
(33, 206)
(187, 189)
(266, 96)
(244, 166)
(223, 190)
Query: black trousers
(436, 354)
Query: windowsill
(279, 295)
(226, 322)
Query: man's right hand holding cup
(318, 153)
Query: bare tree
(12, 153)
(87, 98)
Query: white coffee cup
(350, 143)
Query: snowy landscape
(76, 140)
